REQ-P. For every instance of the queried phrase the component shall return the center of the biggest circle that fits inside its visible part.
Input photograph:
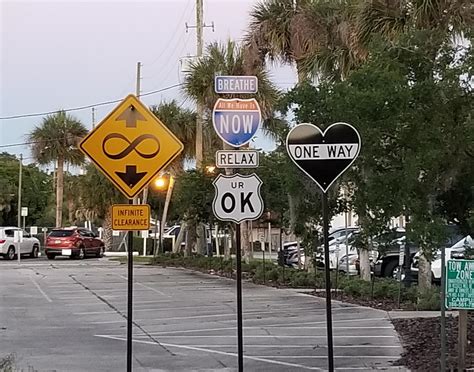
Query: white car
(452, 253)
(9, 248)
(352, 258)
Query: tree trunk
(227, 246)
(190, 238)
(364, 265)
(199, 135)
(180, 238)
(70, 210)
(108, 237)
(292, 204)
(169, 193)
(424, 273)
(201, 239)
(59, 192)
(244, 241)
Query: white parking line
(272, 336)
(290, 346)
(292, 365)
(325, 356)
(164, 333)
(136, 282)
(40, 290)
(206, 316)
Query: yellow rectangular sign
(130, 217)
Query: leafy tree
(37, 191)
(96, 197)
(193, 199)
(416, 128)
(55, 141)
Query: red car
(73, 242)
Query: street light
(210, 169)
(159, 184)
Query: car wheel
(391, 269)
(82, 253)
(50, 256)
(100, 252)
(10, 253)
(34, 252)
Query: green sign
(460, 284)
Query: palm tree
(319, 36)
(392, 18)
(228, 59)
(55, 141)
(182, 122)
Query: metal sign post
(443, 310)
(131, 168)
(460, 295)
(324, 156)
(130, 298)
(328, 282)
(240, 336)
(237, 197)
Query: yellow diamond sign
(130, 146)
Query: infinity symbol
(132, 146)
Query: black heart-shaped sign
(323, 156)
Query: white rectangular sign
(236, 84)
(336, 151)
(237, 159)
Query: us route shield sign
(130, 146)
(237, 197)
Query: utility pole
(200, 108)
(93, 117)
(200, 25)
(20, 177)
(139, 78)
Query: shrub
(429, 299)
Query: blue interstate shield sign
(236, 120)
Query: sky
(66, 54)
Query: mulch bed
(421, 340)
(381, 304)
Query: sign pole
(462, 339)
(239, 299)
(443, 310)
(328, 283)
(130, 298)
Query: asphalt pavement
(70, 315)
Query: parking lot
(70, 315)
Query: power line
(87, 106)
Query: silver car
(9, 247)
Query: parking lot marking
(209, 316)
(270, 336)
(258, 359)
(40, 290)
(145, 286)
(261, 327)
(325, 356)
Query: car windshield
(61, 233)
